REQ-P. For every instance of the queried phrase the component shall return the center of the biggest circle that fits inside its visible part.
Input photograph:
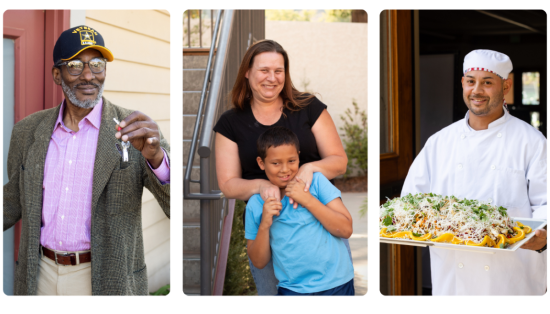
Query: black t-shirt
(241, 127)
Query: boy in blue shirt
(308, 254)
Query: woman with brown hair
(263, 96)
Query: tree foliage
(290, 15)
(337, 16)
(309, 15)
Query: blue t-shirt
(306, 257)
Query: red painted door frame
(34, 33)
(56, 22)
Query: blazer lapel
(35, 162)
(107, 155)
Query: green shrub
(364, 208)
(355, 139)
(238, 279)
(164, 290)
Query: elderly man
(493, 156)
(77, 188)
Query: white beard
(87, 104)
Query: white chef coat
(505, 164)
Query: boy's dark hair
(275, 137)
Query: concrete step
(194, 69)
(191, 212)
(191, 102)
(191, 276)
(191, 241)
(195, 175)
(195, 62)
(193, 79)
(189, 126)
(186, 148)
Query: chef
(491, 156)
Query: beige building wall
(330, 58)
(139, 78)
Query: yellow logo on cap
(86, 35)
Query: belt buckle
(68, 254)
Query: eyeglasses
(75, 67)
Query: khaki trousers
(64, 280)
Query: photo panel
(463, 174)
(303, 72)
(83, 147)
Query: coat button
(493, 167)
(486, 268)
(499, 135)
(460, 265)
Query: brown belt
(67, 258)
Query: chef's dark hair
(275, 137)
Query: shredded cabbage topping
(436, 214)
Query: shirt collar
(94, 117)
(493, 124)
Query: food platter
(531, 222)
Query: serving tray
(531, 222)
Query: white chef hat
(488, 60)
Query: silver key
(125, 145)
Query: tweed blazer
(118, 260)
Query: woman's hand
(268, 190)
(305, 174)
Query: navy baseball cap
(77, 39)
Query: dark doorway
(521, 34)
(444, 39)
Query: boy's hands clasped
(272, 207)
(296, 191)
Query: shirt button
(460, 265)
(62, 217)
(459, 166)
(462, 136)
(490, 200)
(67, 188)
(70, 162)
(60, 243)
(493, 167)
(74, 137)
(499, 135)
(486, 268)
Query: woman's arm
(228, 169)
(334, 160)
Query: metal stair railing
(213, 204)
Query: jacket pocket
(137, 282)
(121, 190)
(512, 189)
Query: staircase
(207, 214)
(194, 67)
